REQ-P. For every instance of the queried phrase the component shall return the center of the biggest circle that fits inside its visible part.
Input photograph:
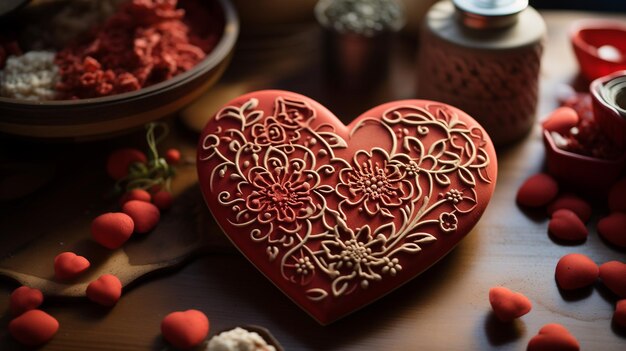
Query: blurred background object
(596, 5)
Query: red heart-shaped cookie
(508, 305)
(105, 290)
(33, 328)
(68, 265)
(185, 329)
(337, 216)
(613, 275)
(112, 229)
(553, 337)
(25, 299)
(566, 225)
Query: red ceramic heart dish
(337, 216)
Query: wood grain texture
(446, 308)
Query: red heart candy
(135, 194)
(163, 200)
(105, 290)
(112, 229)
(575, 271)
(337, 216)
(185, 329)
(566, 225)
(145, 215)
(617, 196)
(120, 161)
(68, 265)
(613, 228)
(508, 305)
(553, 337)
(573, 203)
(619, 316)
(33, 328)
(561, 120)
(613, 275)
(537, 191)
(25, 299)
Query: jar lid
(490, 13)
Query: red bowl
(609, 106)
(592, 176)
(588, 36)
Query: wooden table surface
(446, 308)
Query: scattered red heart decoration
(575, 271)
(112, 229)
(185, 329)
(33, 328)
(135, 194)
(573, 203)
(508, 305)
(566, 225)
(553, 337)
(163, 199)
(120, 161)
(613, 228)
(144, 214)
(337, 216)
(68, 265)
(619, 316)
(25, 299)
(105, 290)
(561, 120)
(613, 275)
(617, 196)
(537, 191)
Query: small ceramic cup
(608, 95)
(599, 46)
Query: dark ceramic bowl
(588, 39)
(99, 117)
(608, 97)
(591, 175)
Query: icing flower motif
(293, 114)
(353, 258)
(448, 222)
(299, 268)
(280, 192)
(463, 200)
(391, 266)
(375, 183)
(273, 133)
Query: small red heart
(105, 290)
(561, 120)
(135, 194)
(112, 229)
(33, 328)
(566, 225)
(537, 191)
(619, 316)
(163, 199)
(575, 271)
(573, 203)
(613, 228)
(553, 337)
(508, 305)
(613, 275)
(145, 215)
(617, 196)
(25, 299)
(120, 161)
(68, 265)
(185, 329)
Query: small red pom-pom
(144, 214)
(172, 156)
(112, 229)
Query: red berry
(508, 305)
(136, 194)
(553, 337)
(68, 265)
(163, 200)
(33, 328)
(112, 229)
(573, 203)
(566, 225)
(537, 191)
(617, 196)
(613, 228)
(172, 156)
(25, 299)
(105, 290)
(613, 275)
(185, 329)
(120, 161)
(145, 215)
(575, 271)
